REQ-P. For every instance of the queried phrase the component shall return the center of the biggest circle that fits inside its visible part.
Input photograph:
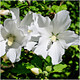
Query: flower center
(53, 38)
(10, 41)
(29, 31)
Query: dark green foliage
(68, 68)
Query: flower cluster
(40, 34)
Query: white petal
(2, 48)
(35, 39)
(15, 15)
(24, 29)
(43, 21)
(30, 45)
(44, 26)
(14, 54)
(10, 25)
(1, 38)
(61, 21)
(28, 19)
(15, 45)
(19, 36)
(11, 54)
(63, 43)
(70, 38)
(34, 30)
(42, 47)
(1, 27)
(18, 53)
(4, 33)
(55, 52)
(44, 32)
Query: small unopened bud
(22, 0)
(4, 12)
(35, 71)
(1, 71)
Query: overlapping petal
(70, 38)
(27, 20)
(15, 15)
(61, 22)
(1, 38)
(44, 25)
(55, 52)
(43, 21)
(2, 48)
(42, 47)
(10, 27)
(11, 55)
(14, 54)
(29, 46)
(18, 53)
(4, 33)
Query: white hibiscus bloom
(28, 26)
(13, 37)
(55, 37)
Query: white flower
(55, 37)
(28, 26)
(13, 39)
(4, 12)
(35, 71)
(33, 34)
(13, 35)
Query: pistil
(29, 31)
(10, 41)
(53, 38)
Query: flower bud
(22, 0)
(35, 71)
(4, 12)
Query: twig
(61, 3)
(9, 66)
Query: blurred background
(68, 68)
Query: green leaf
(59, 8)
(4, 64)
(67, 73)
(56, 75)
(48, 59)
(63, 7)
(20, 69)
(59, 67)
(48, 68)
(36, 61)
(29, 66)
(69, 3)
(5, 4)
